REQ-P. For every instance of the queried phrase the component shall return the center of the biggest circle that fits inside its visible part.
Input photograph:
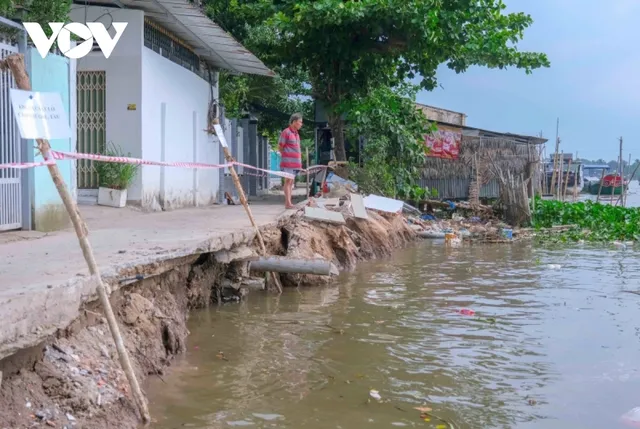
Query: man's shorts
(292, 171)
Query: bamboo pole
(554, 173)
(624, 200)
(247, 209)
(544, 172)
(561, 170)
(566, 181)
(600, 188)
(613, 186)
(575, 178)
(632, 176)
(15, 63)
(307, 175)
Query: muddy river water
(554, 343)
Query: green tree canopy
(394, 129)
(348, 47)
(278, 97)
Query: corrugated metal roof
(208, 40)
(479, 132)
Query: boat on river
(610, 183)
(593, 174)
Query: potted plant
(114, 178)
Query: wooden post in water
(575, 179)
(15, 63)
(635, 170)
(552, 184)
(566, 181)
(625, 188)
(613, 187)
(244, 202)
(555, 160)
(561, 171)
(601, 180)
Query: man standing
(291, 161)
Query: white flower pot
(112, 197)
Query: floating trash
(554, 266)
(268, 417)
(375, 395)
(241, 423)
(466, 312)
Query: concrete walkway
(44, 278)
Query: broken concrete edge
(62, 304)
(323, 215)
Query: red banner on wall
(444, 144)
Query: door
(91, 123)
(10, 151)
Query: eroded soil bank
(74, 379)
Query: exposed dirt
(75, 380)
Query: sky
(593, 84)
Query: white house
(152, 96)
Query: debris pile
(460, 229)
(342, 230)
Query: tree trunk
(337, 131)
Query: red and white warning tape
(23, 165)
(57, 155)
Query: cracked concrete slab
(44, 279)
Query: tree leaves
(394, 131)
(348, 49)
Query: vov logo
(62, 32)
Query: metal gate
(91, 122)
(10, 151)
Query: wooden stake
(600, 188)
(307, 196)
(613, 187)
(15, 63)
(247, 209)
(566, 181)
(631, 178)
(624, 199)
(561, 169)
(575, 179)
(552, 185)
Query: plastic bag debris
(375, 395)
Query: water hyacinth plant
(593, 221)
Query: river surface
(554, 344)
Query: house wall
(54, 73)
(458, 188)
(123, 71)
(443, 115)
(174, 105)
